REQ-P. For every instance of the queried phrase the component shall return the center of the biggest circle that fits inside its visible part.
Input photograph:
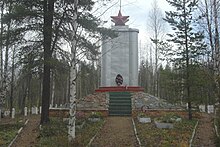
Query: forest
(40, 42)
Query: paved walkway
(116, 132)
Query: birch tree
(217, 53)
(1, 56)
(209, 22)
(7, 39)
(1, 42)
(72, 111)
(157, 26)
(12, 80)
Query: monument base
(120, 89)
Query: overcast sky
(137, 10)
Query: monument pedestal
(120, 89)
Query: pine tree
(50, 24)
(187, 39)
(47, 25)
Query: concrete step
(119, 103)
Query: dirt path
(29, 134)
(116, 132)
(205, 132)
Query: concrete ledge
(120, 89)
(59, 112)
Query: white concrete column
(210, 109)
(106, 62)
(55, 105)
(25, 111)
(133, 57)
(40, 110)
(202, 108)
(13, 113)
(36, 110)
(187, 106)
(32, 110)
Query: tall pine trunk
(187, 65)
(72, 112)
(47, 33)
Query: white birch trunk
(1, 61)
(72, 111)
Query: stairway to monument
(119, 104)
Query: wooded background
(180, 66)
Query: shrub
(96, 115)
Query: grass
(55, 133)
(84, 135)
(178, 136)
(217, 123)
(8, 132)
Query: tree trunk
(23, 95)
(187, 66)
(47, 33)
(1, 44)
(40, 91)
(217, 55)
(12, 81)
(28, 90)
(53, 88)
(209, 26)
(157, 27)
(72, 112)
(5, 74)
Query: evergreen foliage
(188, 40)
(25, 26)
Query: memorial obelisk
(120, 55)
(119, 58)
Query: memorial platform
(120, 89)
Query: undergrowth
(55, 133)
(8, 132)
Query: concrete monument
(119, 63)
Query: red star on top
(119, 20)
